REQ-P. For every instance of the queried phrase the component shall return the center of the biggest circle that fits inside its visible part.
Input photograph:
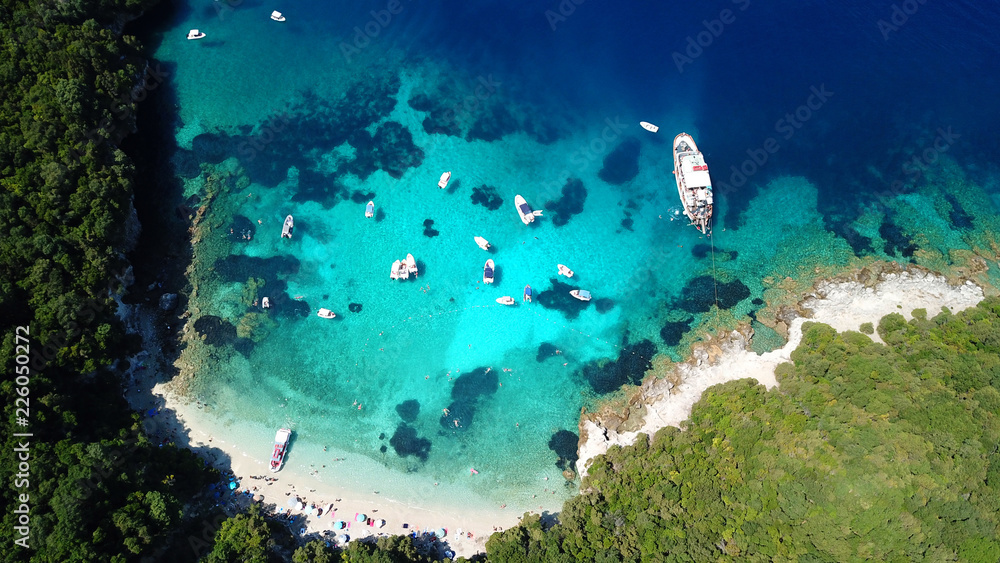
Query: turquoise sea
(837, 133)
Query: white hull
(195, 34)
(488, 271)
(281, 440)
(286, 229)
(443, 182)
(326, 314)
(524, 210)
(694, 185)
(411, 265)
(581, 294)
(649, 126)
(564, 271)
(394, 272)
(483, 243)
(370, 209)
(276, 16)
(505, 300)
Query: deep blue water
(835, 132)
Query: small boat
(326, 314)
(649, 126)
(524, 210)
(488, 271)
(483, 243)
(286, 229)
(411, 265)
(694, 185)
(443, 182)
(281, 440)
(527, 294)
(265, 303)
(581, 294)
(276, 16)
(370, 209)
(195, 34)
(404, 270)
(394, 273)
(564, 271)
(505, 300)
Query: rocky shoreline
(845, 302)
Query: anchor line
(715, 279)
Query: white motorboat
(276, 16)
(195, 34)
(370, 209)
(394, 272)
(443, 182)
(524, 210)
(281, 440)
(404, 270)
(326, 314)
(411, 265)
(505, 300)
(265, 303)
(694, 185)
(564, 271)
(286, 229)
(649, 126)
(581, 294)
(488, 271)
(483, 243)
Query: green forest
(865, 451)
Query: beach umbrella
(232, 485)
(293, 502)
(441, 532)
(380, 522)
(310, 510)
(343, 538)
(301, 506)
(360, 517)
(339, 524)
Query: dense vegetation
(97, 489)
(865, 453)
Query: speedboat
(281, 440)
(195, 34)
(483, 243)
(276, 16)
(394, 272)
(581, 294)
(649, 126)
(694, 185)
(527, 294)
(505, 300)
(488, 271)
(404, 270)
(326, 314)
(564, 271)
(443, 182)
(370, 209)
(286, 229)
(411, 265)
(524, 210)
(265, 303)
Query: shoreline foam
(844, 305)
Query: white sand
(844, 306)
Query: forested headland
(865, 452)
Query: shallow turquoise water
(431, 339)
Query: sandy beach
(842, 305)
